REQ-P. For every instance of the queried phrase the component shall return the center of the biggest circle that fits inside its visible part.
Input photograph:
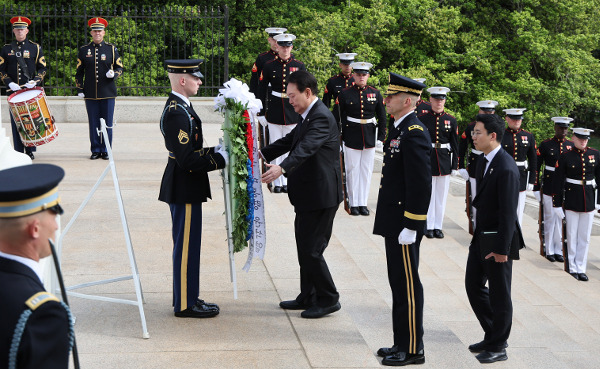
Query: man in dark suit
(185, 185)
(314, 189)
(28, 212)
(496, 240)
(401, 215)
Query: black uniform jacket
(581, 166)
(496, 203)
(334, 86)
(10, 71)
(466, 140)
(521, 146)
(443, 130)
(45, 341)
(405, 187)
(422, 107)
(276, 72)
(313, 164)
(93, 61)
(361, 103)
(548, 153)
(261, 60)
(185, 179)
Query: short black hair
(303, 80)
(492, 124)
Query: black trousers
(492, 306)
(313, 231)
(407, 294)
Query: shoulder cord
(163, 116)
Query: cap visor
(197, 74)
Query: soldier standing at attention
(443, 130)
(22, 64)
(548, 153)
(520, 144)
(343, 80)
(363, 119)
(422, 106)
(98, 66)
(265, 57)
(575, 189)
(280, 115)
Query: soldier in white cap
(520, 144)
(265, 57)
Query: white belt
(279, 94)
(440, 146)
(522, 164)
(550, 169)
(476, 152)
(362, 121)
(581, 182)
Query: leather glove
(262, 120)
(110, 74)
(224, 154)
(464, 173)
(13, 86)
(537, 195)
(407, 237)
(559, 212)
(81, 94)
(30, 84)
(529, 187)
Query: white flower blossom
(239, 92)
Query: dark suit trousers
(492, 306)
(96, 109)
(313, 231)
(407, 294)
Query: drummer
(22, 65)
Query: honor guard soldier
(443, 130)
(400, 217)
(520, 144)
(185, 185)
(98, 66)
(547, 154)
(575, 189)
(36, 328)
(343, 80)
(422, 105)
(22, 65)
(265, 57)
(363, 119)
(280, 115)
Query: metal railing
(145, 36)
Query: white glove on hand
(559, 212)
(30, 84)
(81, 94)
(224, 154)
(464, 173)
(218, 147)
(407, 237)
(379, 145)
(597, 206)
(455, 173)
(13, 86)
(537, 195)
(262, 120)
(529, 187)
(110, 74)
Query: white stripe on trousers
(437, 203)
(579, 230)
(552, 228)
(521, 207)
(359, 170)
(277, 131)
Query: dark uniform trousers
(97, 109)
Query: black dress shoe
(487, 357)
(277, 189)
(354, 210)
(293, 305)
(402, 358)
(387, 351)
(583, 277)
(104, 155)
(284, 189)
(429, 233)
(437, 233)
(315, 311)
(551, 258)
(363, 210)
(30, 155)
(480, 347)
(207, 304)
(575, 275)
(197, 311)
(95, 155)
(559, 258)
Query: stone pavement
(556, 318)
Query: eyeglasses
(478, 133)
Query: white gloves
(464, 173)
(262, 120)
(110, 74)
(407, 237)
(224, 154)
(559, 212)
(597, 206)
(537, 195)
(13, 86)
(379, 145)
(81, 94)
(218, 147)
(529, 187)
(30, 84)
(455, 173)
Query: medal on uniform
(524, 140)
(371, 97)
(447, 124)
(89, 53)
(592, 159)
(293, 69)
(26, 54)
(103, 57)
(394, 144)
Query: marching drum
(32, 116)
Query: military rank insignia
(254, 68)
(183, 137)
(415, 126)
(464, 135)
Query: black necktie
(301, 120)
(483, 165)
